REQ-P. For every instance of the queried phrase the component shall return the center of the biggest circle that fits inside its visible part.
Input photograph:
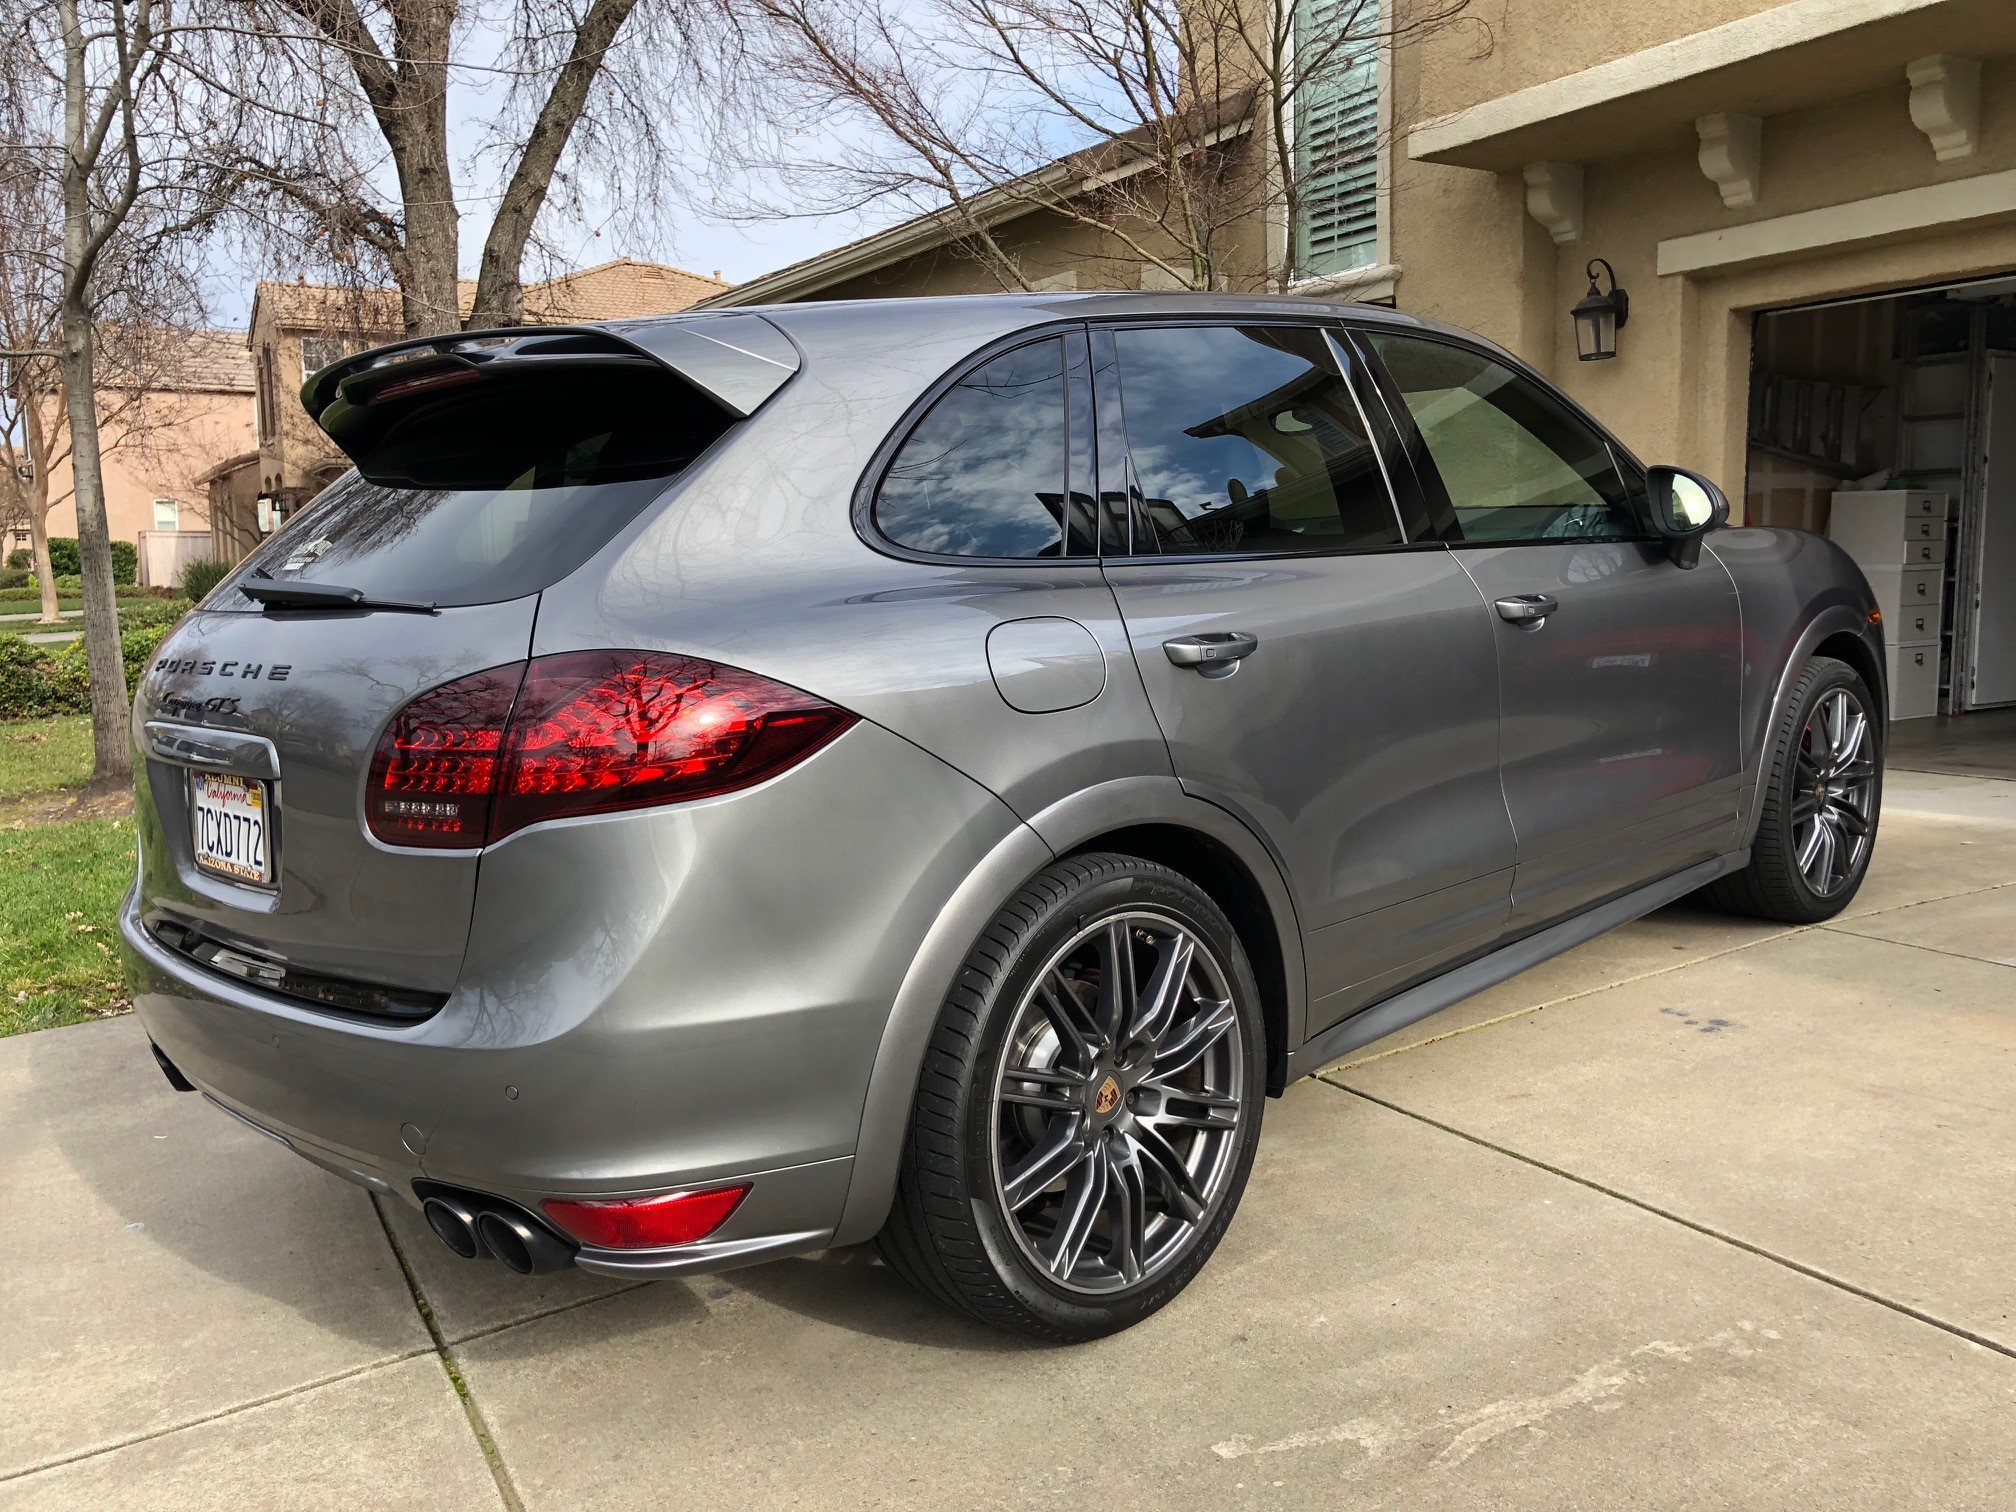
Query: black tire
(952, 1232)
(1774, 885)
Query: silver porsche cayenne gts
(709, 788)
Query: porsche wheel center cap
(1108, 1097)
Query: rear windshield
(494, 490)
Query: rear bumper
(649, 1001)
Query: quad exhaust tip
(487, 1228)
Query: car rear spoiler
(738, 361)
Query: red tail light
(438, 760)
(647, 1222)
(587, 732)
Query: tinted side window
(1517, 463)
(1246, 439)
(983, 473)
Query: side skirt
(1417, 1003)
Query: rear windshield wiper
(298, 595)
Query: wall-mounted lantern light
(1600, 316)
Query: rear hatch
(489, 467)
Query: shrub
(57, 679)
(20, 559)
(14, 577)
(65, 560)
(201, 574)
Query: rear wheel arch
(1151, 808)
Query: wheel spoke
(1165, 1167)
(1076, 1028)
(1166, 983)
(1805, 806)
(1217, 1116)
(1061, 1148)
(1826, 847)
(1185, 1045)
(1849, 817)
(1054, 1099)
(1084, 1196)
(1117, 985)
(1833, 724)
(1127, 1208)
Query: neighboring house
(159, 443)
(300, 327)
(1812, 208)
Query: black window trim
(1331, 326)
(1403, 418)
(870, 484)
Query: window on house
(167, 514)
(317, 352)
(1336, 135)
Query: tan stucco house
(1811, 205)
(159, 443)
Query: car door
(1313, 671)
(1620, 673)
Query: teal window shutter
(1337, 136)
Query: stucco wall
(1496, 46)
(158, 452)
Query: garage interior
(1889, 423)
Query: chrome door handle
(1207, 652)
(1527, 609)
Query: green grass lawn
(40, 754)
(60, 886)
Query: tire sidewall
(1150, 887)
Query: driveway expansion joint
(1812, 1272)
(506, 1492)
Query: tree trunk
(500, 278)
(111, 737)
(418, 136)
(37, 503)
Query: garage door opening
(1889, 423)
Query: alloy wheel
(1833, 791)
(1119, 1102)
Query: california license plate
(231, 830)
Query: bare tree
(353, 157)
(96, 98)
(1192, 139)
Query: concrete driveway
(1707, 1214)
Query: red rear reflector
(647, 1222)
(436, 765)
(587, 732)
(603, 730)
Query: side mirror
(1685, 507)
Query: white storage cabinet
(1898, 538)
